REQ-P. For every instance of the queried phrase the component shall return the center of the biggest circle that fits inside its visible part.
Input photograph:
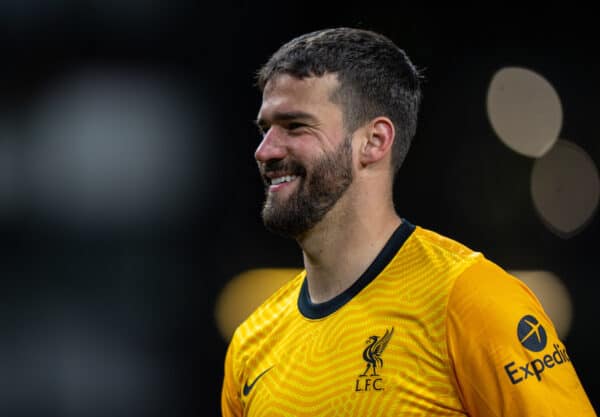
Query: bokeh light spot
(245, 292)
(565, 188)
(524, 110)
(553, 295)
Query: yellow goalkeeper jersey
(431, 328)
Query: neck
(343, 245)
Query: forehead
(285, 93)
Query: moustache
(288, 167)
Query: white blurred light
(553, 295)
(116, 147)
(565, 188)
(524, 110)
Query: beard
(329, 178)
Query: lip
(281, 186)
(275, 174)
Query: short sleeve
(505, 352)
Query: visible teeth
(279, 180)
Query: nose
(271, 147)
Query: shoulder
(475, 285)
(439, 245)
(432, 257)
(488, 301)
(489, 287)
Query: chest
(386, 361)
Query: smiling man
(387, 318)
(307, 176)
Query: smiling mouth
(281, 180)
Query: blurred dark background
(129, 195)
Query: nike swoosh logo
(248, 388)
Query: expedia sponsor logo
(532, 334)
(533, 337)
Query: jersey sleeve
(231, 405)
(505, 352)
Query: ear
(378, 140)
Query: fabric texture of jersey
(431, 328)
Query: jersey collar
(315, 311)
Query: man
(388, 318)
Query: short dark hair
(376, 77)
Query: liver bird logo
(372, 353)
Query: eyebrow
(286, 117)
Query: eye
(295, 126)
